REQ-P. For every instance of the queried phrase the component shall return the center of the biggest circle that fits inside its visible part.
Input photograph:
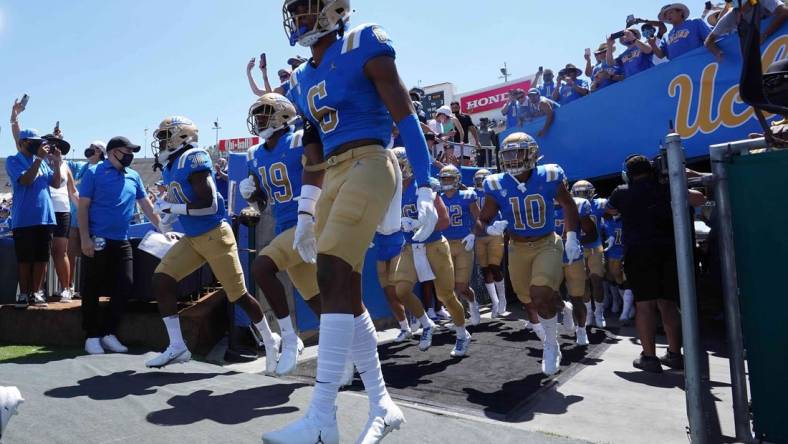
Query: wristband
(308, 200)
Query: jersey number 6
(327, 116)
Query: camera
(617, 35)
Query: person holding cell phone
(636, 58)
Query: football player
(523, 193)
(439, 259)
(575, 272)
(593, 252)
(350, 93)
(192, 198)
(614, 254)
(463, 212)
(389, 249)
(489, 254)
(275, 167)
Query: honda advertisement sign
(491, 98)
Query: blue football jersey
(279, 173)
(409, 209)
(528, 206)
(597, 211)
(460, 218)
(583, 209)
(337, 97)
(614, 227)
(179, 190)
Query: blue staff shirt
(113, 194)
(32, 204)
(633, 61)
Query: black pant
(651, 272)
(110, 272)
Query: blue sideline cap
(29, 134)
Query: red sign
(490, 99)
(238, 145)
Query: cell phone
(617, 35)
(57, 125)
(630, 20)
(588, 52)
(24, 100)
(709, 6)
(541, 68)
(263, 59)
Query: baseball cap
(297, 60)
(444, 110)
(533, 91)
(29, 134)
(99, 144)
(283, 72)
(121, 142)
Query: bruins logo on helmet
(270, 113)
(519, 153)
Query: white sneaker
(93, 346)
(476, 316)
(569, 319)
(383, 419)
(272, 353)
(582, 336)
(461, 346)
(173, 355)
(599, 319)
(111, 343)
(306, 430)
(347, 375)
(403, 336)
(66, 295)
(288, 359)
(10, 399)
(551, 358)
(538, 330)
(38, 299)
(443, 315)
(425, 342)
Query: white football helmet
(328, 16)
(174, 133)
(270, 113)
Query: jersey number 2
(327, 116)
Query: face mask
(126, 160)
(89, 153)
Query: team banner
(591, 137)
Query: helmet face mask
(519, 153)
(449, 178)
(269, 114)
(583, 189)
(306, 21)
(173, 134)
(478, 178)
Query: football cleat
(425, 342)
(582, 336)
(461, 346)
(569, 320)
(272, 353)
(306, 430)
(10, 399)
(403, 336)
(443, 314)
(288, 359)
(551, 358)
(173, 355)
(383, 419)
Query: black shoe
(648, 364)
(672, 360)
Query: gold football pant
(538, 264)
(286, 258)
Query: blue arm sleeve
(416, 148)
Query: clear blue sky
(106, 68)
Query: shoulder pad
(195, 157)
(553, 172)
(493, 182)
(468, 194)
(372, 39)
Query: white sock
(286, 326)
(173, 324)
(589, 312)
(365, 355)
(265, 330)
(403, 325)
(493, 293)
(334, 343)
(600, 309)
(550, 328)
(425, 321)
(500, 289)
(461, 331)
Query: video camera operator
(650, 257)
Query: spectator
(539, 106)
(603, 74)
(284, 78)
(107, 196)
(469, 129)
(547, 88)
(94, 154)
(32, 214)
(685, 34)
(61, 195)
(445, 126)
(295, 62)
(220, 168)
(515, 109)
(5, 218)
(416, 95)
(570, 87)
(728, 22)
(487, 138)
(650, 259)
(636, 58)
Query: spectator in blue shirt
(515, 108)
(570, 86)
(547, 88)
(107, 197)
(539, 106)
(636, 58)
(32, 213)
(603, 74)
(686, 34)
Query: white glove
(247, 187)
(428, 215)
(609, 243)
(572, 247)
(166, 222)
(497, 228)
(304, 240)
(469, 241)
(408, 224)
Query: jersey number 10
(535, 212)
